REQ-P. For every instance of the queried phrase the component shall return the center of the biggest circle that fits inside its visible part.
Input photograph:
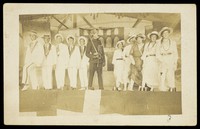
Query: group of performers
(146, 65)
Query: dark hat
(46, 36)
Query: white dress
(128, 60)
(118, 63)
(150, 69)
(167, 54)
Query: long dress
(136, 69)
(167, 54)
(128, 60)
(150, 69)
(118, 63)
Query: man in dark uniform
(95, 52)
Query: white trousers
(72, 73)
(47, 77)
(29, 74)
(167, 78)
(60, 76)
(83, 75)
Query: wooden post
(74, 21)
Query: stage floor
(58, 102)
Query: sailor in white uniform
(33, 59)
(49, 61)
(84, 63)
(118, 63)
(61, 61)
(128, 60)
(74, 60)
(150, 71)
(167, 55)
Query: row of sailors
(150, 65)
(58, 57)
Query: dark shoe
(90, 88)
(101, 88)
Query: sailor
(118, 63)
(33, 59)
(150, 69)
(167, 54)
(84, 63)
(137, 51)
(62, 58)
(95, 53)
(74, 60)
(49, 62)
(128, 60)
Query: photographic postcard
(100, 64)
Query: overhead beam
(64, 21)
(87, 21)
(136, 23)
(60, 22)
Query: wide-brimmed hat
(141, 35)
(153, 33)
(164, 29)
(121, 41)
(131, 37)
(70, 36)
(84, 38)
(33, 32)
(58, 35)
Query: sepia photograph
(99, 64)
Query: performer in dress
(49, 61)
(84, 63)
(33, 59)
(167, 54)
(95, 53)
(128, 60)
(61, 61)
(136, 52)
(118, 63)
(74, 60)
(150, 69)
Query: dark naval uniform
(95, 63)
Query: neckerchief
(82, 51)
(46, 51)
(71, 51)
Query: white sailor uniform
(47, 66)
(33, 59)
(61, 64)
